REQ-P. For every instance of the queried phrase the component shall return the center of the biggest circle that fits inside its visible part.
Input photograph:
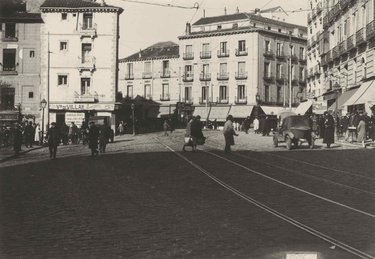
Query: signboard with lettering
(82, 107)
(76, 117)
(9, 116)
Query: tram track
(290, 220)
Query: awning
(339, 103)
(219, 113)
(201, 111)
(319, 107)
(303, 107)
(165, 111)
(275, 110)
(365, 93)
(240, 111)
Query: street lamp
(43, 104)
(133, 108)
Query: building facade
(154, 74)
(20, 55)
(79, 59)
(347, 55)
(234, 62)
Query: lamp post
(43, 104)
(133, 108)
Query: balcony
(350, 43)
(146, 75)
(281, 55)
(360, 37)
(129, 76)
(302, 60)
(240, 75)
(269, 54)
(238, 100)
(313, 41)
(294, 59)
(164, 97)
(295, 81)
(188, 77)
(10, 38)
(329, 56)
(326, 21)
(241, 52)
(323, 61)
(335, 52)
(269, 78)
(318, 8)
(205, 100)
(281, 78)
(309, 19)
(87, 30)
(223, 76)
(336, 10)
(188, 56)
(188, 100)
(86, 98)
(370, 30)
(165, 74)
(205, 54)
(147, 96)
(344, 3)
(9, 71)
(342, 47)
(205, 77)
(223, 53)
(317, 70)
(222, 100)
(87, 64)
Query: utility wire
(195, 6)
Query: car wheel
(288, 142)
(275, 141)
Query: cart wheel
(288, 142)
(275, 141)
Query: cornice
(102, 9)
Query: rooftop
(72, 4)
(160, 50)
(21, 17)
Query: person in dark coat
(196, 131)
(93, 137)
(53, 140)
(17, 139)
(246, 125)
(329, 129)
(29, 134)
(229, 134)
(166, 127)
(105, 134)
(344, 124)
(262, 124)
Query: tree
(11, 6)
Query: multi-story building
(79, 59)
(20, 66)
(154, 74)
(231, 63)
(347, 54)
(315, 36)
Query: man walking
(93, 137)
(29, 135)
(105, 134)
(53, 139)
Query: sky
(142, 25)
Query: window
(62, 80)
(165, 91)
(301, 73)
(129, 70)
(269, 28)
(267, 71)
(204, 93)
(223, 93)
(63, 45)
(64, 16)
(267, 45)
(223, 47)
(10, 30)
(267, 93)
(279, 48)
(241, 92)
(205, 69)
(7, 98)
(31, 95)
(278, 94)
(219, 27)
(278, 70)
(302, 53)
(242, 45)
(147, 91)
(9, 59)
(147, 67)
(129, 91)
(165, 68)
(32, 53)
(235, 25)
(86, 53)
(279, 30)
(85, 86)
(223, 69)
(188, 93)
(188, 70)
(292, 49)
(292, 73)
(87, 21)
(241, 68)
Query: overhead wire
(195, 6)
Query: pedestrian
(93, 137)
(329, 129)
(256, 125)
(121, 128)
(196, 131)
(171, 126)
(6, 136)
(188, 140)
(344, 124)
(165, 127)
(53, 140)
(215, 124)
(29, 134)
(17, 139)
(247, 125)
(361, 129)
(229, 132)
(37, 134)
(105, 134)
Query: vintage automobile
(293, 130)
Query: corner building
(347, 55)
(79, 59)
(234, 63)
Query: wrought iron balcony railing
(129, 76)
(146, 75)
(205, 77)
(223, 53)
(240, 75)
(188, 56)
(241, 52)
(205, 54)
(240, 100)
(188, 77)
(223, 76)
(87, 30)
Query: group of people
(168, 127)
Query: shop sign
(9, 116)
(82, 107)
(76, 117)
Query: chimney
(139, 54)
(188, 29)
(238, 10)
(257, 11)
(225, 10)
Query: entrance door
(60, 120)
